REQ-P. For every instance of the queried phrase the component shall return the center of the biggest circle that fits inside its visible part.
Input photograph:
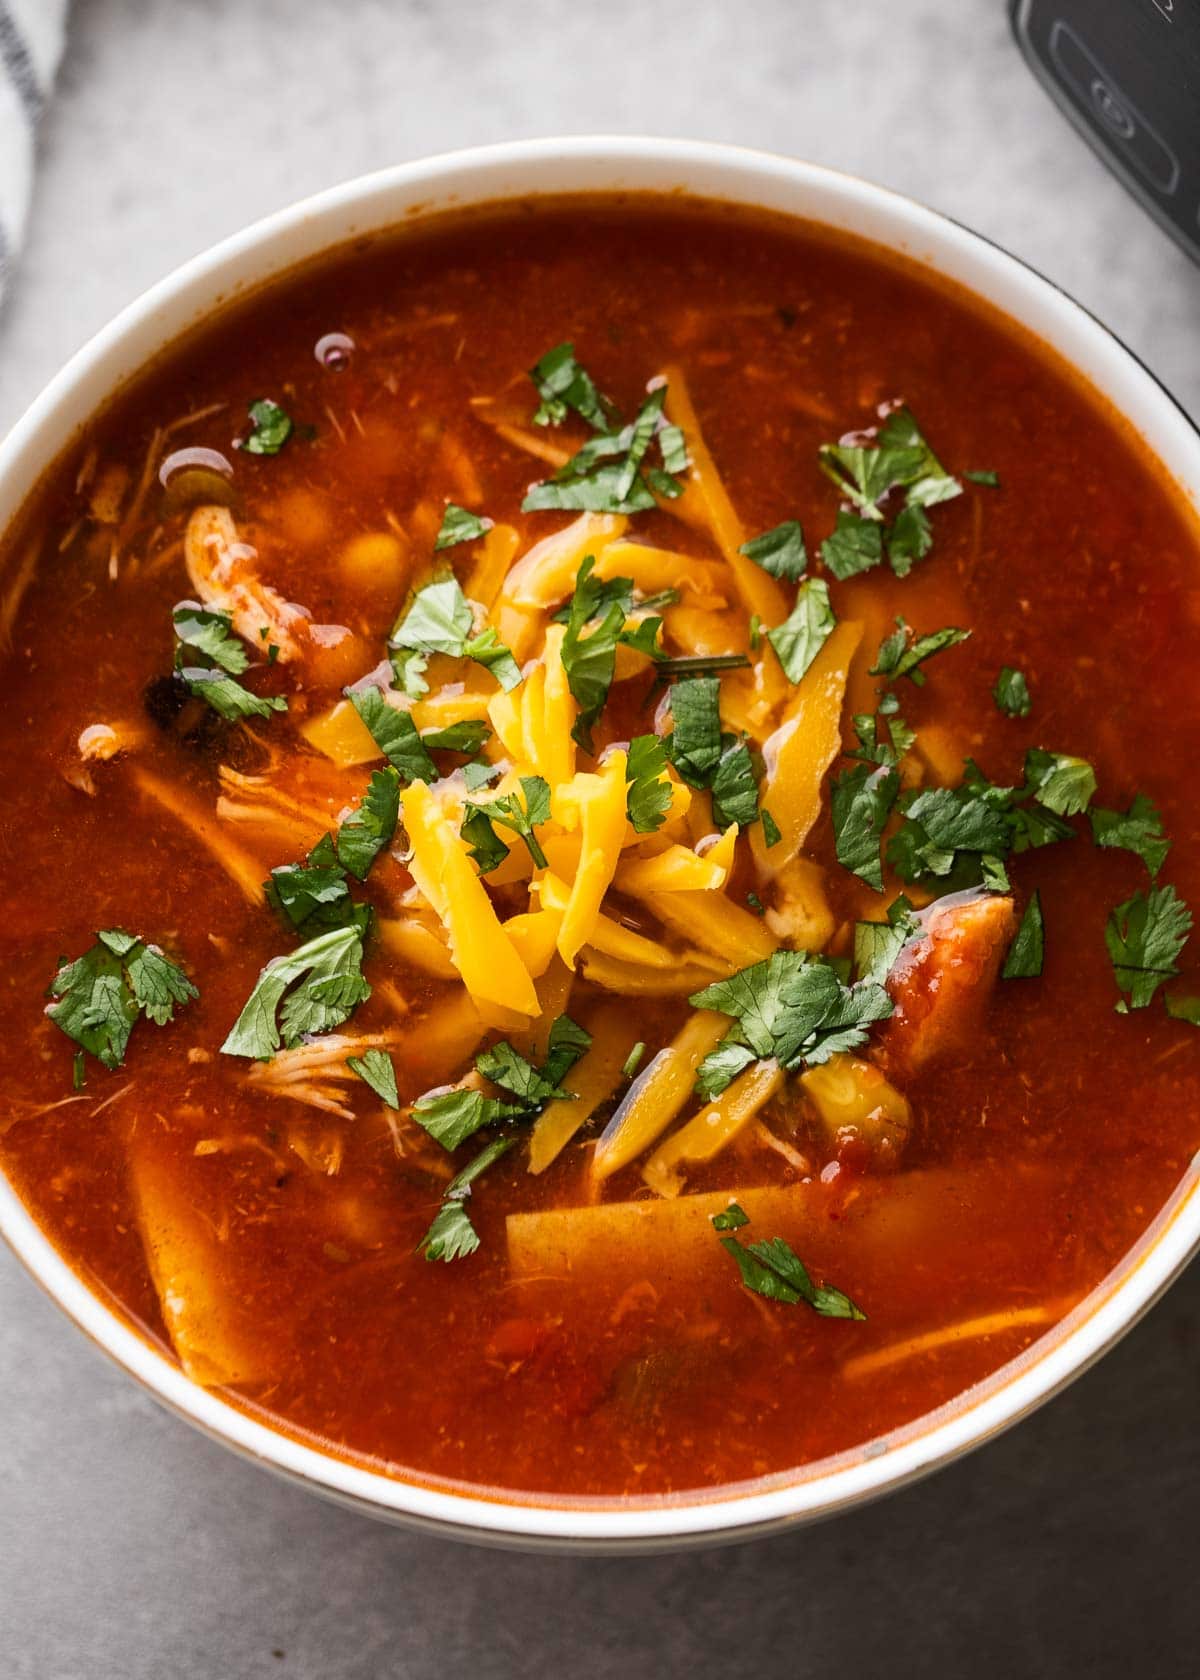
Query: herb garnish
(788, 1007)
(809, 625)
(901, 654)
(317, 985)
(395, 734)
(1137, 830)
(1144, 936)
(1011, 693)
(459, 525)
(563, 384)
(100, 995)
(452, 1235)
(314, 894)
(209, 658)
(856, 545)
(440, 620)
(861, 801)
(371, 825)
(271, 428)
(486, 847)
(1027, 951)
(781, 551)
(648, 798)
(878, 944)
(453, 1116)
(376, 1069)
(774, 1270)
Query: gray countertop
(131, 1547)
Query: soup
(614, 929)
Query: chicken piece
(221, 569)
(940, 982)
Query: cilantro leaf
(648, 798)
(271, 428)
(1028, 949)
(479, 774)
(590, 661)
(376, 1069)
(780, 551)
(439, 620)
(900, 458)
(908, 538)
(484, 845)
(731, 1219)
(1011, 693)
(99, 996)
(563, 384)
(608, 474)
(314, 893)
(1145, 935)
(792, 1009)
(211, 634)
(861, 802)
(313, 989)
(395, 734)
(771, 831)
(1063, 784)
(878, 944)
(1137, 830)
(568, 1041)
(809, 625)
(856, 545)
(694, 744)
(371, 825)
(721, 1067)
(734, 785)
(451, 1117)
(469, 736)
(459, 525)
(510, 813)
(984, 475)
(901, 655)
(774, 1270)
(452, 1235)
(1183, 1009)
(226, 695)
(872, 748)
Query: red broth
(1041, 1149)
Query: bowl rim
(478, 176)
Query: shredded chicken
(316, 1073)
(222, 572)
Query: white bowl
(529, 169)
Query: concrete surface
(132, 1549)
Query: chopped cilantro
(984, 475)
(1027, 951)
(271, 428)
(878, 944)
(371, 825)
(1062, 784)
(563, 384)
(756, 904)
(100, 995)
(452, 1235)
(802, 635)
(781, 551)
(227, 696)
(734, 785)
(210, 634)
(649, 794)
(901, 655)
(872, 747)
(313, 989)
(698, 665)
(314, 894)
(590, 661)
(469, 736)
(451, 1117)
(1137, 830)
(694, 744)
(862, 800)
(1011, 693)
(909, 539)
(478, 820)
(376, 1069)
(731, 1219)
(395, 734)
(856, 545)
(608, 474)
(900, 458)
(789, 1008)
(774, 1270)
(1145, 935)
(478, 773)
(1178, 1008)
(770, 828)
(440, 620)
(459, 525)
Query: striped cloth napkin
(31, 37)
